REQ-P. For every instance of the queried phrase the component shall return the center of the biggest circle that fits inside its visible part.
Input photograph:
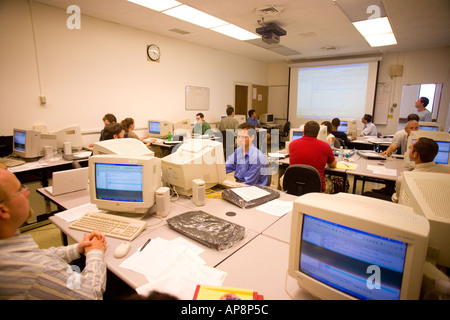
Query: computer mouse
(121, 250)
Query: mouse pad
(207, 229)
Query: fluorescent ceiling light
(379, 31)
(183, 12)
(157, 5)
(195, 16)
(236, 32)
(380, 40)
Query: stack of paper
(205, 292)
(172, 267)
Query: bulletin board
(197, 98)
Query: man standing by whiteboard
(424, 114)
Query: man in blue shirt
(247, 162)
(252, 118)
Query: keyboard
(111, 225)
(11, 162)
(371, 155)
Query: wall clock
(153, 52)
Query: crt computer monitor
(26, 143)
(429, 126)
(123, 183)
(70, 134)
(441, 138)
(345, 246)
(295, 133)
(194, 159)
(428, 194)
(266, 118)
(343, 127)
(182, 128)
(241, 118)
(127, 146)
(159, 128)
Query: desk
(262, 266)
(270, 254)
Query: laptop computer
(68, 181)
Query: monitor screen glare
(19, 140)
(297, 135)
(154, 127)
(343, 127)
(344, 258)
(442, 156)
(429, 128)
(119, 182)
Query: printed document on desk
(172, 266)
(276, 207)
(382, 170)
(250, 193)
(77, 212)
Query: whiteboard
(197, 98)
(382, 98)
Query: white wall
(103, 68)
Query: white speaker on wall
(162, 201)
(198, 192)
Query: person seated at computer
(330, 137)
(252, 119)
(400, 139)
(108, 118)
(229, 122)
(128, 126)
(369, 128)
(311, 151)
(422, 112)
(335, 123)
(28, 272)
(247, 161)
(423, 152)
(113, 131)
(201, 126)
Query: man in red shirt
(311, 151)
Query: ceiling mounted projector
(271, 33)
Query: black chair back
(300, 179)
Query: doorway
(241, 99)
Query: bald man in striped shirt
(27, 272)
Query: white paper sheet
(276, 207)
(77, 212)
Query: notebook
(68, 181)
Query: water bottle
(341, 154)
(169, 137)
(441, 291)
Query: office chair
(285, 131)
(300, 179)
(338, 142)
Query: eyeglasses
(23, 188)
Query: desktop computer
(194, 159)
(126, 146)
(124, 183)
(345, 246)
(428, 194)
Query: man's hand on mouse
(95, 240)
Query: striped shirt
(27, 272)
